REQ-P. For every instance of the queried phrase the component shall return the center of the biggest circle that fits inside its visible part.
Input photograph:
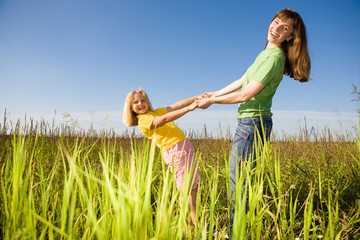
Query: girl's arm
(232, 87)
(253, 88)
(182, 103)
(175, 114)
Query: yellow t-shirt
(165, 136)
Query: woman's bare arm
(253, 88)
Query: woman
(286, 52)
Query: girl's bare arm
(173, 115)
(182, 103)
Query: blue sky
(82, 57)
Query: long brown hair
(298, 63)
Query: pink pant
(183, 158)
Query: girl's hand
(194, 105)
(198, 97)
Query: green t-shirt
(268, 69)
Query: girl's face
(279, 31)
(140, 104)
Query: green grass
(63, 183)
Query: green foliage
(68, 184)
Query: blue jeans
(248, 130)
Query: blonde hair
(129, 116)
(298, 63)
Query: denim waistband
(265, 118)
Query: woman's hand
(208, 94)
(206, 102)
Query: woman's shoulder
(275, 55)
(274, 52)
(268, 55)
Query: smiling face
(279, 31)
(140, 104)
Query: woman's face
(140, 104)
(279, 31)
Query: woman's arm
(175, 114)
(253, 88)
(232, 87)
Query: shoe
(219, 234)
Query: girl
(158, 124)
(286, 52)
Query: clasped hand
(204, 101)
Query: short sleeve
(146, 121)
(269, 69)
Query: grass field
(58, 182)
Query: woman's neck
(272, 45)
